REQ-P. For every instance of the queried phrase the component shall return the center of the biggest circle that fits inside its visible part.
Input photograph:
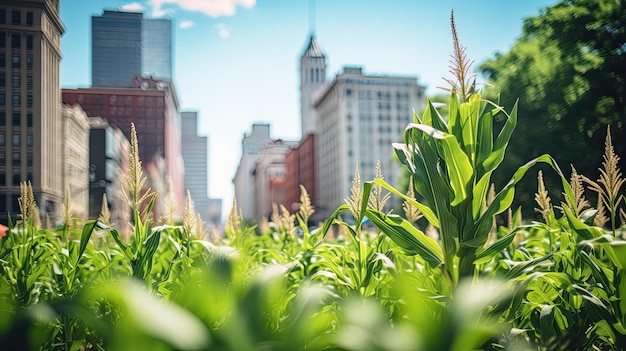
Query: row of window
(16, 60)
(16, 156)
(16, 99)
(16, 118)
(16, 80)
(16, 17)
(16, 41)
(16, 140)
(17, 179)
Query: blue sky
(236, 61)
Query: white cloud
(184, 24)
(223, 30)
(132, 7)
(213, 8)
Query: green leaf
(407, 237)
(426, 211)
(458, 165)
(85, 236)
(497, 155)
(487, 254)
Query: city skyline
(244, 68)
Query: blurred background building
(31, 125)
(195, 150)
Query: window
(16, 17)
(3, 160)
(29, 119)
(29, 61)
(3, 99)
(29, 81)
(29, 18)
(3, 78)
(16, 100)
(29, 100)
(2, 141)
(3, 179)
(3, 40)
(17, 118)
(29, 42)
(29, 139)
(15, 60)
(16, 179)
(15, 80)
(3, 16)
(3, 58)
(16, 41)
(3, 118)
(16, 138)
(29, 159)
(16, 158)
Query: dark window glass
(16, 41)
(29, 61)
(16, 17)
(16, 179)
(29, 42)
(3, 59)
(3, 179)
(17, 118)
(16, 139)
(16, 158)
(29, 159)
(15, 80)
(29, 18)
(2, 140)
(29, 119)
(29, 100)
(3, 79)
(3, 99)
(3, 202)
(29, 139)
(3, 161)
(15, 60)
(29, 81)
(16, 100)
(3, 16)
(15, 202)
(3, 118)
(3, 40)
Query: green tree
(568, 69)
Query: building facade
(251, 146)
(269, 178)
(76, 159)
(125, 45)
(312, 78)
(359, 117)
(109, 152)
(31, 134)
(300, 170)
(153, 108)
(195, 154)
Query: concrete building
(251, 146)
(300, 170)
(195, 154)
(76, 159)
(109, 151)
(359, 117)
(153, 107)
(312, 78)
(125, 45)
(31, 135)
(269, 178)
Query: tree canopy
(568, 70)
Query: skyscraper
(312, 78)
(125, 45)
(194, 149)
(31, 135)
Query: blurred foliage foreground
(441, 276)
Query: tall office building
(31, 136)
(194, 149)
(312, 78)
(359, 117)
(125, 45)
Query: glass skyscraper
(125, 45)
